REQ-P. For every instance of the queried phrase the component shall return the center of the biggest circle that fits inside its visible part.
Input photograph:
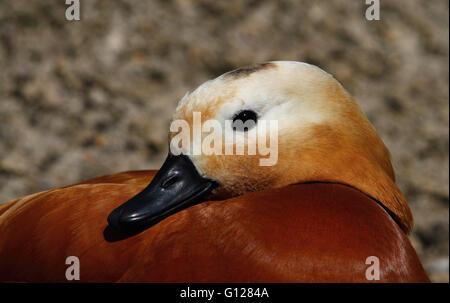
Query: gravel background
(93, 97)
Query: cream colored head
(322, 134)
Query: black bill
(176, 186)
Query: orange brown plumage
(316, 232)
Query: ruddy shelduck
(328, 205)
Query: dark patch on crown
(247, 70)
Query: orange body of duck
(313, 232)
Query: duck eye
(244, 120)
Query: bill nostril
(170, 181)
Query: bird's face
(301, 126)
(284, 105)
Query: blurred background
(92, 97)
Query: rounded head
(320, 135)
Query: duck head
(320, 135)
